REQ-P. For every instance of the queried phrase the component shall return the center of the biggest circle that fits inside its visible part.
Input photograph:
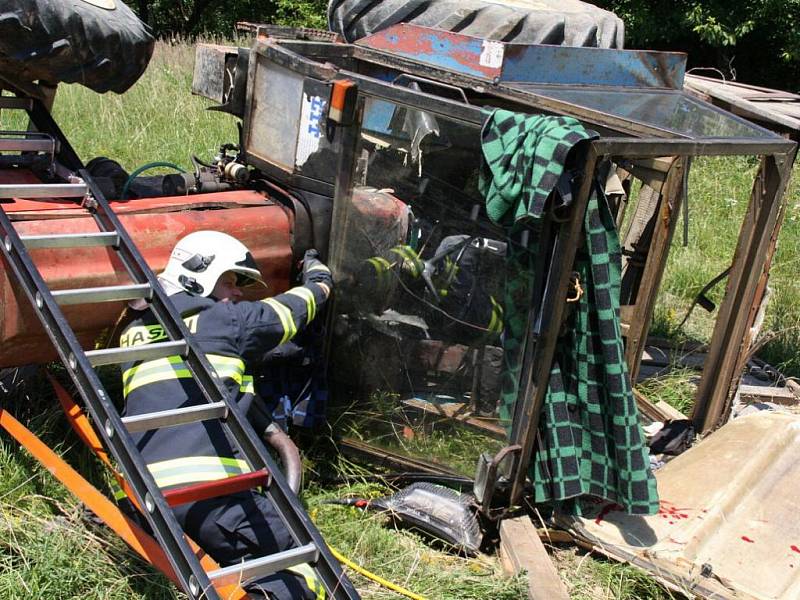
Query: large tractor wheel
(559, 22)
(98, 43)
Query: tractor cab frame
(381, 139)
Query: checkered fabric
(590, 443)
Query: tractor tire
(557, 22)
(98, 43)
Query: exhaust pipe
(288, 453)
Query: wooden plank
(521, 549)
(762, 393)
(755, 249)
(670, 411)
(655, 412)
(665, 222)
(460, 412)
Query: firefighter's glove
(314, 270)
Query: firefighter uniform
(233, 336)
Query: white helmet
(198, 260)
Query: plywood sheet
(729, 524)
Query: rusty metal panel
(444, 49)
(265, 230)
(210, 78)
(728, 525)
(531, 63)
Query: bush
(188, 18)
(754, 41)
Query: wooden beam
(730, 344)
(521, 549)
(749, 394)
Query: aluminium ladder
(310, 547)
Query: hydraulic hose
(142, 169)
(376, 578)
(289, 454)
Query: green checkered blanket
(590, 442)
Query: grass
(401, 556)
(719, 192)
(47, 547)
(383, 422)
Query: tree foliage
(188, 18)
(755, 41)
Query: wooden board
(460, 412)
(521, 549)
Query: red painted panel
(266, 230)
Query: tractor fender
(98, 43)
(556, 22)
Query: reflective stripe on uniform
(408, 254)
(496, 322)
(247, 386)
(285, 315)
(161, 369)
(382, 267)
(195, 469)
(174, 367)
(311, 302)
(227, 366)
(312, 581)
(116, 489)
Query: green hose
(137, 172)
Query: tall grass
(157, 119)
(719, 191)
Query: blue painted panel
(593, 66)
(443, 49)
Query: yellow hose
(379, 580)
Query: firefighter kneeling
(203, 279)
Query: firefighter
(204, 279)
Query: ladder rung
(27, 145)
(71, 240)
(265, 565)
(112, 356)
(219, 487)
(109, 293)
(16, 103)
(43, 190)
(176, 416)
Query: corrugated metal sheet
(729, 524)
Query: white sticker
(492, 54)
(311, 128)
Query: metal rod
(70, 240)
(43, 190)
(109, 293)
(267, 565)
(113, 356)
(27, 145)
(15, 103)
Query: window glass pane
(420, 284)
(667, 110)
